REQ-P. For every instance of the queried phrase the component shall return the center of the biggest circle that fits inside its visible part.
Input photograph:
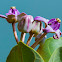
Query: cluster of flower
(33, 26)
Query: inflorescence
(33, 26)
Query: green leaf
(23, 53)
(47, 49)
(56, 56)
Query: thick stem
(38, 40)
(15, 33)
(29, 39)
(22, 38)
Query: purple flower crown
(33, 26)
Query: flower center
(58, 20)
(13, 7)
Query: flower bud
(25, 23)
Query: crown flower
(52, 26)
(11, 16)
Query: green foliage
(23, 53)
(51, 50)
(56, 56)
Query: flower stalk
(38, 40)
(29, 39)
(22, 38)
(15, 33)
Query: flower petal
(58, 34)
(3, 16)
(48, 29)
(39, 18)
(9, 14)
(28, 25)
(41, 28)
(36, 27)
(20, 15)
(54, 24)
(52, 21)
(13, 12)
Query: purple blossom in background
(52, 26)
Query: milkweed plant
(50, 50)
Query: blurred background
(45, 8)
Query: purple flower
(25, 23)
(52, 26)
(13, 11)
(11, 16)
